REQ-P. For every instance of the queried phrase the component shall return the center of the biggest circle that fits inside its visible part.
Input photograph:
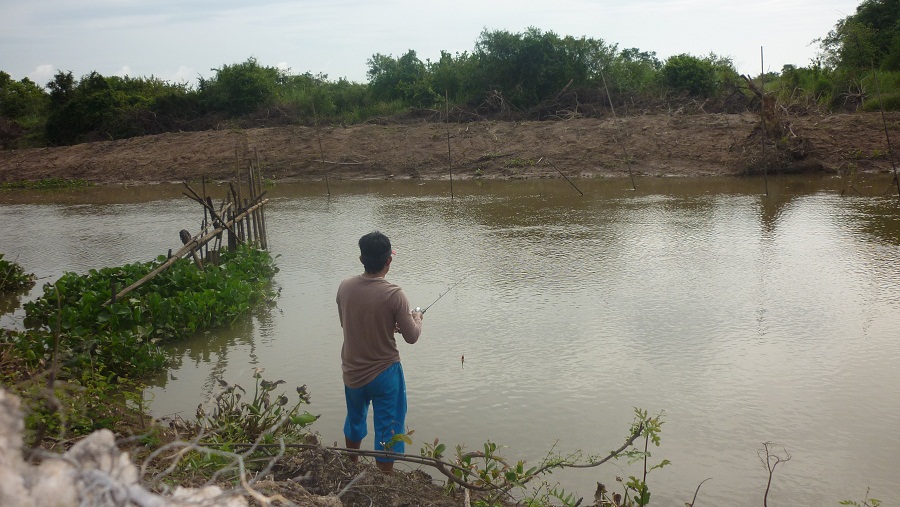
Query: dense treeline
(528, 75)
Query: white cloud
(336, 37)
(43, 74)
(184, 74)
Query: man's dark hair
(374, 250)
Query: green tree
(453, 75)
(633, 70)
(870, 37)
(813, 82)
(690, 74)
(534, 66)
(240, 88)
(23, 100)
(77, 111)
(23, 110)
(402, 79)
(98, 107)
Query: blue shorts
(387, 394)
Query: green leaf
(304, 419)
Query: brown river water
(744, 318)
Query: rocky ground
(647, 145)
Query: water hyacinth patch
(124, 336)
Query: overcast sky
(179, 40)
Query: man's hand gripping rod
(423, 310)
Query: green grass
(44, 184)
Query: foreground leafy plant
(867, 502)
(487, 471)
(263, 419)
(77, 407)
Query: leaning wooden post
(192, 244)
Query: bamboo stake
(254, 217)
(238, 224)
(193, 244)
(251, 227)
(618, 129)
(563, 175)
(762, 116)
(238, 198)
(321, 150)
(232, 233)
(237, 178)
(447, 123)
(262, 211)
(886, 133)
(205, 252)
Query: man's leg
(389, 407)
(355, 423)
(351, 444)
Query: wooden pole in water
(762, 116)
(887, 135)
(616, 119)
(233, 237)
(237, 177)
(563, 175)
(447, 123)
(205, 213)
(254, 217)
(262, 211)
(251, 181)
(321, 150)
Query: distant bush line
(532, 75)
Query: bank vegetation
(529, 75)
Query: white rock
(93, 473)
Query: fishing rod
(423, 310)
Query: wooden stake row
(242, 218)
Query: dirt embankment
(650, 145)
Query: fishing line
(423, 310)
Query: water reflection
(205, 359)
(746, 317)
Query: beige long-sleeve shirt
(370, 309)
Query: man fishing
(371, 310)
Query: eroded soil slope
(651, 145)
